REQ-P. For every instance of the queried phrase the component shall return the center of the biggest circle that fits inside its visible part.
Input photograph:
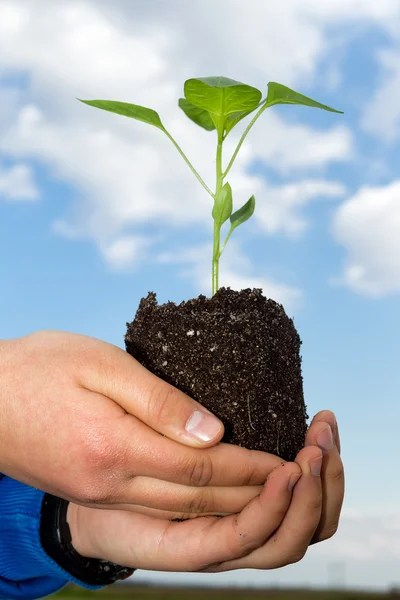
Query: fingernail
(325, 438)
(293, 480)
(315, 467)
(203, 426)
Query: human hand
(265, 534)
(324, 432)
(299, 505)
(81, 419)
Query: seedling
(217, 103)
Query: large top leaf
(197, 115)
(221, 97)
(280, 94)
(134, 111)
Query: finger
(224, 465)
(138, 450)
(195, 544)
(328, 417)
(161, 406)
(291, 539)
(165, 515)
(332, 478)
(165, 496)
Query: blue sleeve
(26, 571)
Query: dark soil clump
(238, 354)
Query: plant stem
(187, 161)
(246, 131)
(217, 227)
(226, 241)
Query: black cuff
(55, 537)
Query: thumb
(164, 408)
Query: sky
(96, 210)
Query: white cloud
(381, 115)
(297, 148)
(368, 226)
(124, 251)
(365, 537)
(285, 212)
(18, 183)
(127, 175)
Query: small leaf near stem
(222, 209)
(238, 217)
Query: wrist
(78, 519)
(56, 541)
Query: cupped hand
(299, 505)
(324, 432)
(268, 532)
(81, 419)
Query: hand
(81, 419)
(299, 504)
(324, 432)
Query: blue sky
(97, 210)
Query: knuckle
(336, 475)
(161, 402)
(199, 470)
(201, 501)
(241, 543)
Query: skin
(82, 419)
(273, 530)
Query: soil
(238, 354)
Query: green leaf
(243, 214)
(222, 209)
(233, 120)
(134, 111)
(280, 94)
(221, 97)
(197, 115)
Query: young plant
(217, 103)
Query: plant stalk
(217, 227)
(189, 164)
(246, 131)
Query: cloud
(381, 116)
(365, 537)
(367, 225)
(276, 144)
(124, 252)
(17, 183)
(126, 175)
(285, 212)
